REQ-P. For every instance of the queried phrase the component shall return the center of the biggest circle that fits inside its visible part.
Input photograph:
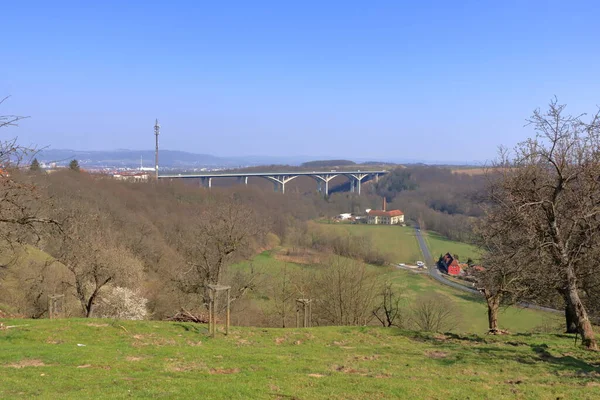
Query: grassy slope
(398, 241)
(472, 310)
(440, 245)
(157, 359)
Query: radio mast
(156, 133)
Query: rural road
(435, 274)
(432, 266)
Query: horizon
(278, 160)
(427, 82)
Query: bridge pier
(242, 180)
(323, 179)
(279, 181)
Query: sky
(429, 80)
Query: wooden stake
(228, 314)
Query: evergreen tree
(35, 165)
(74, 165)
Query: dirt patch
(185, 367)
(367, 358)
(349, 370)
(132, 358)
(305, 257)
(97, 325)
(436, 354)
(53, 341)
(382, 376)
(223, 371)
(316, 375)
(26, 363)
(279, 340)
(84, 366)
(243, 342)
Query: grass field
(399, 242)
(471, 309)
(147, 359)
(440, 245)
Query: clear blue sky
(422, 79)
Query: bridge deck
(264, 174)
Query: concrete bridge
(279, 179)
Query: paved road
(435, 273)
(432, 266)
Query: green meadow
(81, 359)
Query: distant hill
(132, 158)
(327, 163)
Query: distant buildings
(132, 177)
(383, 217)
(380, 217)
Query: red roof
(380, 213)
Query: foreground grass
(175, 360)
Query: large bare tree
(210, 238)
(21, 205)
(548, 197)
(93, 255)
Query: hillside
(471, 310)
(75, 359)
(400, 243)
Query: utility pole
(156, 133)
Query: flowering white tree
(122, 303)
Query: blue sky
(433, 80)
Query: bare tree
(21, 205)
(508, 260)
(346, 291)
(282, 294)
(92, 254)
(389, 311)
(211, 241)
(549, 195)
(434, 313)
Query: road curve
(433, 269)
(435, 274)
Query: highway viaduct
(279, 179)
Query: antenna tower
(156, 133)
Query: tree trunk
(493, 303)
(582, 321)
(570, 317)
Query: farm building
(450, 265)
(383, 217)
